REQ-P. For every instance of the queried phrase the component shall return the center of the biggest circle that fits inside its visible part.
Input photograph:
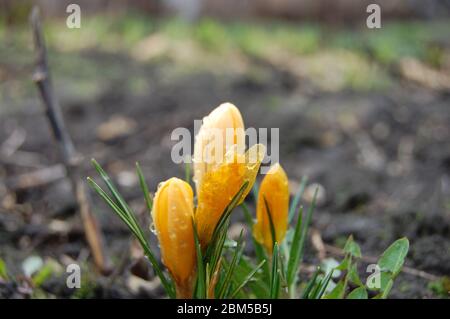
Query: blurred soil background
(365, 114)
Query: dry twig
(37, 177)
(370, 259)
(70, 157)
(323, 248)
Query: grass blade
(121, 208)
(223, 221)
(311, 284)
(118, 198)
(144, 187)
(323, 284)
(187, 172)
(168, 286)
(259, 249)
(218, 247)
(236, 256)
(272, 226)
(296, 254)
(247, 279)
(123, 216)
(255, 191)
(200, 287)
(275, 276)
(296, 200)
(258, 287)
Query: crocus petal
(220, 130)
(172, 216)
(221, 184)
(274, 188)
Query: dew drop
(153, 228)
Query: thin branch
(323, 248)
(70, 157)
(37, 178)
(370, 259)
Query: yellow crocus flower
(275, 189)
(172, 215)
(219, 178)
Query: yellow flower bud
(221, 129)
(219, 185)
(275, 189)
(172, 214)
(221, 166)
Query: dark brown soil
(383, 159)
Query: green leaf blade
(352, 248)
(200, 287)
(358, 293)
(247, 279)
(296, 200)
(394, 256)
(275, 276)
(144, 187)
